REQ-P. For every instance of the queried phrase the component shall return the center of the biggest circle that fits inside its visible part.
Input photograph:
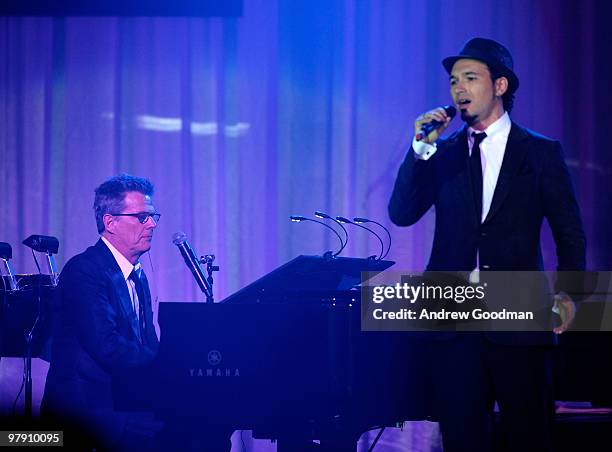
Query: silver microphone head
(320, 214)
(343, 220)
(179, 238)
(298, 218)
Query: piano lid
(310, 273)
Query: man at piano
(492, 183)
(103, 326)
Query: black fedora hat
(495, 55)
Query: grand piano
(285, 357)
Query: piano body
(286, 358)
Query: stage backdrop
(293, 107)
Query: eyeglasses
(143, 217)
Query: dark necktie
(476, 171)
(141, 302)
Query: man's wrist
(422, 150)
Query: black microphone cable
(367, 220)
(323, 215)
(382, 245)
(300, 218)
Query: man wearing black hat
(492, 183)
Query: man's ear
(501, 86)
(109, 223)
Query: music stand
(309, 273)
(25, 324)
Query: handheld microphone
(180, 240)
(426, 129)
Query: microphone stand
(28, 374)
(210, 268)
(29, 340)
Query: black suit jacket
(533, 184)
(95, 339)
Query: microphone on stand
(180, 240)
(382, 245)
(320, 214)
(366, 220)
(299, 218)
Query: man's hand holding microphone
(429, 126)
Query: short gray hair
(110, 196)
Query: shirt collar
(125, 265)
(499, 129)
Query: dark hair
(508, 96)
(110, 195)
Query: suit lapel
(148, 311)
(513, 157)
(113, 272)
(125, 300)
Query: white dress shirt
(126, 268)
(492, 151)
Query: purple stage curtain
(291, 108)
